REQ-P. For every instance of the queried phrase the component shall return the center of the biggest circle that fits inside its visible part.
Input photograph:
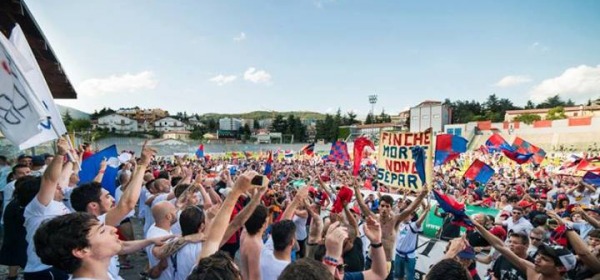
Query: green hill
(259, 115)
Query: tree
(527, 118)
(79, 125)
(553, 102)
(256, 124)
(556, 113)
(67, 119)
(383, 117)
(279, 124)
(530, 105)
(351, 118)
(369, 119)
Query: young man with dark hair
(183, 252)
(389, 221)
(272, 263)
(448, 269)
(77, 244)
(517, 222)
(18, 171)
(94, 199)
(306, 269)
(251, 243)
(550, 262)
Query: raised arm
(245, 214)
(131, 195)
(595, 223)
(579, 246)
(412, 207)
(100, 175)
(289, 211)
(423, 215)
(65, 175)
(219, 223)
(521, 264)
(361, 201)
(52, 174)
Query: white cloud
(240, 37)
(222, 79)
(510, 81)
(537, 46)
(257, 76)
(118, 84)
(579, 83)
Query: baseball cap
(355, 209)
(525, 204)
(560, 255)
(38, 161)
(499, 232)
(467, 254)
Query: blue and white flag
(91, 165)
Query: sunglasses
(516, 213)
(384, 206)
(534, 238)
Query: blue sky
(240, 56)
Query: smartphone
(257, 180)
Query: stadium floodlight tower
(373, 100)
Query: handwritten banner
(396, 166)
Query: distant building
(401, 118)
(144, 117)
(372, 130)
(575, 111)
(169, 124)
(178, 135)
(230, 124)
(117, 124)
(249, 122)
(429, 114)
(266, 123)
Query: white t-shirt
(142, 207)
(300, 228)
(584, 197)
(270, 267)
(185, 259)
(113, 267)
(153, 232)
(118, 195)
(67, 191)
(522, 225)
(35, 214)
(406, 240)
(149, 219)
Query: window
(425, 117)
(436, 116)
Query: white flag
(38, 84)
(21, 113)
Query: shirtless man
(251, 243)
(388, 220)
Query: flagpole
(69, 154)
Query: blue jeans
(404, 266)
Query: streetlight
(373, 100)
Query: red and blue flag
(497, 144)
(268, 166)
(457, 209)
(200, 151)
(479, 172)
(308, 149)
(339, 152)
(591, 178)
(523, 147)
(448, 147)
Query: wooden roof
(15, 11)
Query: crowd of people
(211, 218)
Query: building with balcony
(169, 124)
(145, 117)
(117, 124)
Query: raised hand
(334, 240)
(373, 230)
(62, 146)
(147, 154)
